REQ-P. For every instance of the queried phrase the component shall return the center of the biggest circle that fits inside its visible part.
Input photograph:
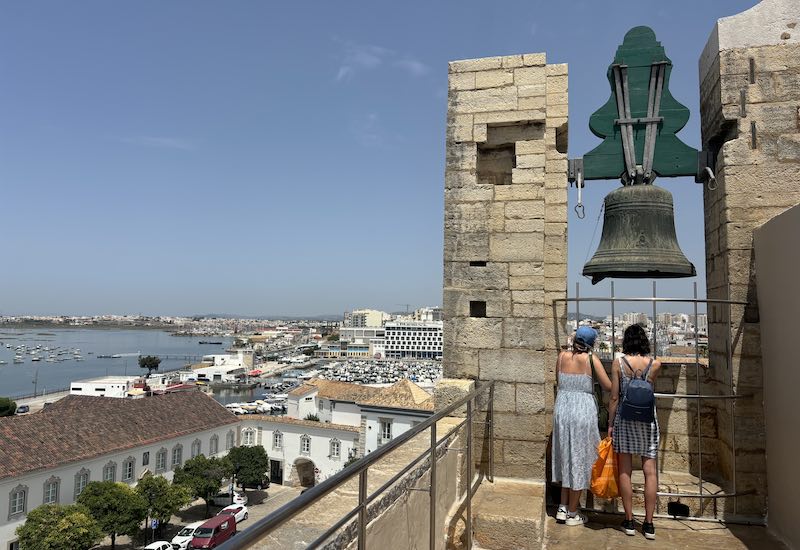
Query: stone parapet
(505, 243)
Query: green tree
(333, 338)
(55, 527)
(202, 476)
(163, 499)
(250, 464)
(313, 417)
(118, 509)
(7, 406)
(149, 362)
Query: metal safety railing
(698, 397)
(280, 517)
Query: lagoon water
(18, 379)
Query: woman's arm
(612, 405)
(602, 377)
(654, 371)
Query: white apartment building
(105, 386)
(50, 456)
(365, 318)
(413, 340)
(359, 418)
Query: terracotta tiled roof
(402, 395)
(298, 422)
(80, 427)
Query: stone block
(518, 192)
(528, 175)
(527, 282)
(510, 117)
(555, 249)
(528, 309)
(556, 69)
(534, 59)
(528, 296)
(523, 226)
(555, 196)
(467, 217)
(449, 390)
(511, 247)
(530, 161)
(557, 84)
(466, 246)
(521, 269)
(556, 180)
(555, 270)
(473, 193)
(524, 210)
(479, 133)
(524, 452)
(532, 90)
(505, 397)
(530, 398)
(494, 79)
(556, 166)
(492, 276)
(512, 365)
(557, 98)
(480, 64)
(556, 229)
(520, 427)
(789, 148)
(459, 133)
(537, 102)
(527, 76)
(530, 147)
(556, 212)
(461, 156)
(473, 333)
(460, 363)
(512, 61)
(454, 179)
(481, 101)
(561, 110)
(524, 333)
(555, 122)
(461, 81)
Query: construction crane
(407, 306)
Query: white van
(184, 537)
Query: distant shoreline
(27, 326)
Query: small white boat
(3, 362)
(36, 358)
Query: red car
(214, 532)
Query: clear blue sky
(274, 157)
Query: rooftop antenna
(407, 306)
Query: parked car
(23, 409)
(263, 484)
(214, 532)
(184, 537)
(238, 511)
(159, 545)
(224, 499)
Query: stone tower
(505, 243)
(750, 107)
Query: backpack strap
(621, 368)
(647, 369)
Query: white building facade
(106, 386)
(413, 340)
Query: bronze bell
(638, 240)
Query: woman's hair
(578, 346)
(635, 342)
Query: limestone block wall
(505, 244)
(750, 107)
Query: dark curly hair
(635, 341)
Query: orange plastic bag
(604, 472)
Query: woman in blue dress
(575, 432)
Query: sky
(278, 158)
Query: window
(305, 444)
(213, 445)
(336, 448)
(385, 434)
(229, 441)
(81, 481)
(277, 441)
(110, 472)
(320, 405)
(248, 437)
(177, 455)
(195, 448)
(128, 469)
(161, 460)
(145, 458)
(17, 500)
(13, 545)
(51, 487)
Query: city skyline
(187, 158)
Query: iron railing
(699, 397)
(255, 534)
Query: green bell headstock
(639, 121)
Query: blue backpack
(639, 401)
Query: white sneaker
(577, 519)
(561, 514)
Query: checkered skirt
(631, 436)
